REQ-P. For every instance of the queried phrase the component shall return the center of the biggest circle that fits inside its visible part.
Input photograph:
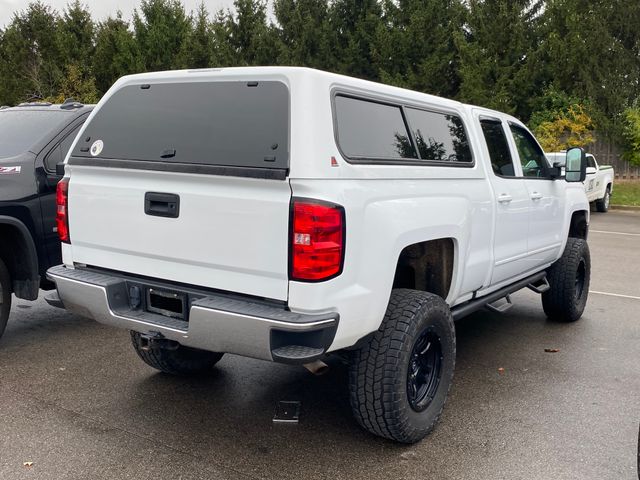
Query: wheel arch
(427, 266)
(19, 254)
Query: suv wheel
(569, 281)
(180, 361)
(603, 204)
(400, 379)
(5, 296)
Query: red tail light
(62, 211)
(317, 240)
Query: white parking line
(615, 233)
(614, 295)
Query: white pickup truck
(288, 213)
(599, 182)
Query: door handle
(536, 195)
(504, 198)
(162, 204)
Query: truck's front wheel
(569, 283)
(179, 361)
(400, 379)
(5, 296)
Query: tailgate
(183, 179)
(230, 233)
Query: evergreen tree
(305, 33)
(251, 38)
(592, 50)
(75, 33)
(161, 29)
(496, 66)
(356, 23)
(116, 52)
(417, 48)
(31, 58)
(197, 49)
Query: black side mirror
(576, 165)
(555, 172)
(60, 169)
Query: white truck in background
(599, 182)
(286, 213)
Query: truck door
(512, 203)
(546, 200)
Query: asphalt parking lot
(77, 402)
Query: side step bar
(535, 282)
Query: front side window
(591, 161)
(499, 152)
(534, 163)
(372, 130)
(439, 137)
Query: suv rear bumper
(216, 322)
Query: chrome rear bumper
(215, 322)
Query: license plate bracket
(167, 303)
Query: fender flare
(27, 287)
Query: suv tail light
(317, 240)
(62, 210)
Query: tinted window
(534, 163)
(499, 151)
(21, 129)
(58, 154)
(213, 123)
(439, 137)
(591, 162)
(372, 130)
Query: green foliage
(116, 52)
(566, 128)
(626, 193)
(631, 135)
(497, 54)
(568, 67)
(161, 30)
(416, 45)
(76, 85)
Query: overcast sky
(101, 9)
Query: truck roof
(294, 76)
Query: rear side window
(235, 124)
(21, 129)
(499, 152)
(439, 137)
(372, 130)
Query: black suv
(34, 138)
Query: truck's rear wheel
(400, 379)
(5, 296)
(180, 361)
(603, 204)
(569, 281)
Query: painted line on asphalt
(615, 233)
(614, 295)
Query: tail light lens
(317, 240)
(62, 210)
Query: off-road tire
(602, 205)
(378, 371)
(181, 361)
(5, 296)
(566, 299)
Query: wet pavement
(77, 402)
